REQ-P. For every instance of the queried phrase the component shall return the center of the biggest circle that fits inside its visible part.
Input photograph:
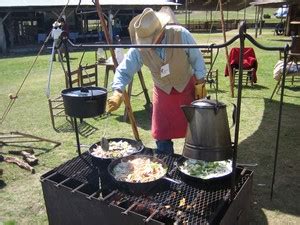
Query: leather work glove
(114, 102)
(200, 91)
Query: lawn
(21, 194)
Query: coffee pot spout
(189, 112)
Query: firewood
(29, 158)
(20, 163)
(19, 152)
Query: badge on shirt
(165, 70)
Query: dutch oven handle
(86, 90)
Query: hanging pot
(208, 134)
(84, 102)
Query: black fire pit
(74, 195)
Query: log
(19, 152)
(29, 158)
(20, 163)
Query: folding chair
(249, 65)
(83, 76)
(293, 58)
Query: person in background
(178, 73)
(55, 34)
(64, 35)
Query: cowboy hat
(56, 24)
(144, 27)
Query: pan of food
(198, 171)
(139, 174)
(117, 148)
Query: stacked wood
(28, 161)
(20, 163)
(28, 156)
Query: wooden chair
(292, 57)
(104, 60)
(249, 65)
(109, 66)
(83, 76)
(212, 75)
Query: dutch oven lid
(84, 92)
(208, 104)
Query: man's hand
(114, 102)
(200, 91)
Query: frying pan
(140, 188)
(101, 162)
(197, 180)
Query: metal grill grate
(182, 204)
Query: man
(178, 73)
(64, 35)
(55, 34)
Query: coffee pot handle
(233, 115)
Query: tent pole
(256, 21)
(125, 94)
(231, 79)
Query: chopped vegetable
(139, 170)
(117, 149)
(206, 170)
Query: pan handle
(172, 180)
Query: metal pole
(231, 78)
(113, 56)
(279, 117)
(242, 30)
(256, 21)
(70, 85)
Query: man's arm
(127, 68)
(195, 57)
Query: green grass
(238, 15)
(21, 197)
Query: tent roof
(274, 3)
(269, 3)
(207, 5)
(40, 3)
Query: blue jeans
(164, 147)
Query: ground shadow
(142, 117)
(2, 184)
(84, 129)
(254, 87)
(260, 148)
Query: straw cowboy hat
(56, 24)
(147, 26)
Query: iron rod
(242, 30)
(279, 118)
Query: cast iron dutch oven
(84, 102)
(102, 162)
(140, 188)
